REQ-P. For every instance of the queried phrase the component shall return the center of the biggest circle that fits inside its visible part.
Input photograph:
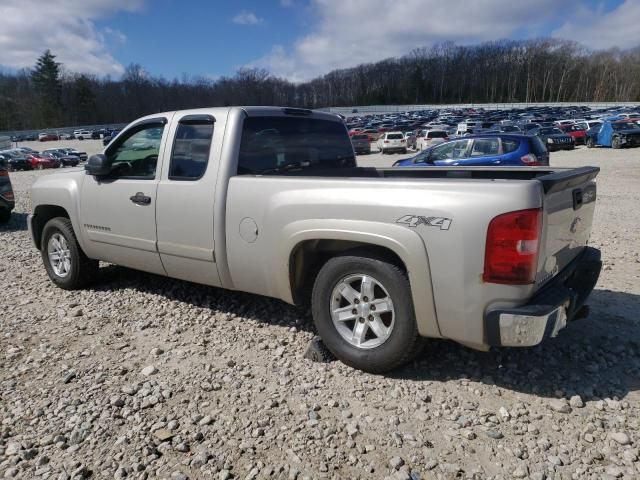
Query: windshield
(273, 144)
(360, 137)
(551, 131)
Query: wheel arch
(310, 243)
(41, 215)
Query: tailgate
(569, 202)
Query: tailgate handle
(577, 198)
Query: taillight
(386, 141)
(4, 173)
(529, 159)
(511, 251)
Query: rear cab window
(279, 144)
(191, 147)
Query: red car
(578, 134)
(39, 162)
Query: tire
(40, 166)
(590, 143)
(81, 269)
(375, 354)
(404, 151)
(5, 215)
(615, 143)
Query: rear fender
(406, 244)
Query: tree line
(540, 70)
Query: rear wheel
(66, 264)
(590, 143)
(363, 310)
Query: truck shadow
(597, 357)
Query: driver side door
(118, 212)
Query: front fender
(406, 244)
(59, 190)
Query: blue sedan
(483, 150)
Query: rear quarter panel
(445, 265)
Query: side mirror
(98, 165)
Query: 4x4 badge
(415, 220)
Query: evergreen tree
(85, 100)
(47, 84)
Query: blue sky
(295, 39)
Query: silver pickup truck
(271, 201)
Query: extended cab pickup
(270, 201)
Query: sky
(293, 39)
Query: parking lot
(145, 377)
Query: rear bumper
(550, 309)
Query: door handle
(140, 199)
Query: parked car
(16, 160)
(578, 134)
(555, 138)
(392, 142)
(64, 159)
(110, 136)
(83, 135)
(588, 124)
(40, 162)
(7, 199)
(82, 156)
(372, 133)
(480, 256)
(411, 138)
(483, 150)
(361, 143)
(614, 134)
(46, 137)
(428, 138)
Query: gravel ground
(145, 377)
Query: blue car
(483, 150)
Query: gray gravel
(145, 377)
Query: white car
(84, 135)
(587, 124)
(392, 142)
(428, 138)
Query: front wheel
(65, 262)
(363, 311)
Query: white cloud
(67, 28)
(351, 32)
(246, 18)
(601, 30)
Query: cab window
(135, 155)
(190, 154)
